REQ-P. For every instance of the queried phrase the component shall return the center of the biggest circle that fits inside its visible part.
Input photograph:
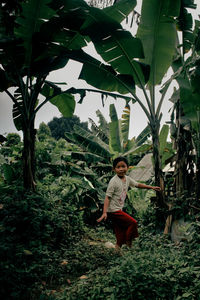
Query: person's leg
(120, 232)
(129, 227)
(132, 231)
(125, 228)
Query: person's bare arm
(150, 187)
(105, 208)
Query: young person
(125, 227)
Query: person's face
(121, 168)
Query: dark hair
(118, 159)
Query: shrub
(34, 230)
(154, 269)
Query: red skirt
(125, 227)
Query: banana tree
(188, 80)
(120, 144)
(186, 103)
(99, 151)
(37, 38)
(157, 36)
(119, 130)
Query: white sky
(88, 108)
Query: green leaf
(185, 24)
(115, 45)
(105, 77)
(8, 173)
(143, 136)
(157, 31)
(34, 14)
(163, 137)
(125, 122)
(65, 103)
(120, 10)
(90, 142)
(138, 150)
(18, 110)
(197, 35)
(115, 136)
(86, 156)
(4, 81)
(27, 252)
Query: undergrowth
(154, 268)
(48, 253)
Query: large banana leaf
(89, 142)
(125, 122)
(166, 150)
(163, 137)
(65, 30)
(87, 156)
(34, 13)
(143, 136)
(120, 10)
(103, 123)
(157, 31)
(185, 24)
(138, 150)
(65, 102)
(115, 135)
(17, 111)
(190, 101)
(105, 77)
(116, 46)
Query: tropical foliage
(38, 37)
(48, 248)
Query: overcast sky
(87, 109)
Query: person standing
(125, 226)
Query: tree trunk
(29, 157)
(197, 146)
(197, 181)
(183, 174)
(159, 181)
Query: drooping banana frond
(89, 142)
(99, 132)
(34, 14)
(116, 46)
(115, 131)
(143, 136)
(157, 31)
(125, 123)
(17, 110)
(185, 24)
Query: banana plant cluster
(186, 99)
(46, 34)
(108, 140)
(36, 38)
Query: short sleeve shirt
(117, 190)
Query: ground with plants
(53, 249)
(49, 252)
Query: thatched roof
(144, 169)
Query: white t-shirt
(117, 190)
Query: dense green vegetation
(52, 247)
(53, 182)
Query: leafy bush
(154, 269)
(10, 159)
(34, 231)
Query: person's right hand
(103, 217)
